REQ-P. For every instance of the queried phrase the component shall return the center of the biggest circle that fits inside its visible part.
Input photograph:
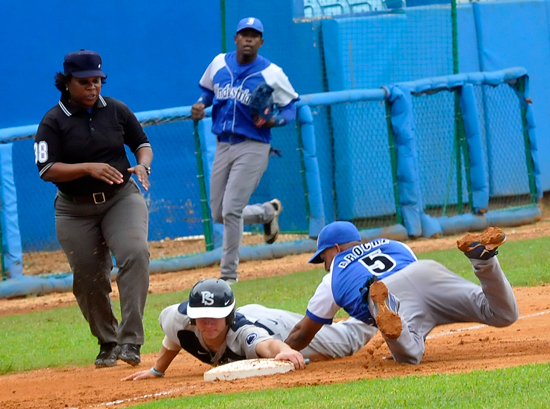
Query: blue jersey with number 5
(350, 270)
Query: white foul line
(151, 395)
(454, 331)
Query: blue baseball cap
(250, 22)
(334, 233)
(83, 64)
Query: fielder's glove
(261, 104)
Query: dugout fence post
(458, 157)
(333, 163)
(222, 22)
(303, 170)
(454, 24)
(393, 159)
(527, 140)
(463, 154)
(460, 143)
(206, 222)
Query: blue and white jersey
(230, 84)
(350, 270)
(240, 343)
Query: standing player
(99, 209)
(422, 294)
(243, 142)
(209, 328)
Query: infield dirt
(449, 349)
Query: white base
(247, 368)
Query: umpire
(99, 208)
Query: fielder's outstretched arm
(165, 358)
(302, 333)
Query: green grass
(525, 262)
(520, 387)
(61, 338)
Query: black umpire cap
(83, 64)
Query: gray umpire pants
(88, 233)
(429, 295)
(236, 173)
(338, 340)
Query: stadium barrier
(424, 158)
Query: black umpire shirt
(70, 134)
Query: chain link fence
(358, 172)
(504, 144)
(353, 151)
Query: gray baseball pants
(236, 173)
(88, 233)
(429, 295)
(338, 340)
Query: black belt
(94, 198)
(231, 139)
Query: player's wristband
(205, 99)
(157, 373)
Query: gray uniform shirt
(241, 342)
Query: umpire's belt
(94, 198)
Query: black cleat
(130, 354)
(108, 355)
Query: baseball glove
(261, 102)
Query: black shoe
(129, 353)
(108, 354)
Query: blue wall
(373, 50)
(153, 53)
(293, 45)
(517, 34)
(492, 36)
(154, 56)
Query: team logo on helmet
(207, 298)
(211, 298)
